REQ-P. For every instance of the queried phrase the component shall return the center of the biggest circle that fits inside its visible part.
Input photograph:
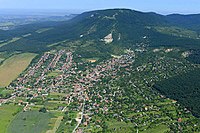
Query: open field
(30, 122)
(13, 66)
(7, 113)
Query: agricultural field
(13, 66)
(55, 123)
(30, 122)
(68, 123)
(7, 114)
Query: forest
(184, 88)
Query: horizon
(164, 7)
(63, 12)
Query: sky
(159, 6)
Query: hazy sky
(159, 6)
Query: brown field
(92, 61)
(13, 66)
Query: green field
(53, 74)
(158, 129)
(7, 114)
(30, 122)
(13, 66)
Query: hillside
(186, 21)
(183, 88)
(128, 27)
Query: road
(79, 121)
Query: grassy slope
(7, 113)
(30, 122)
(13, 66)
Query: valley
(105, 71)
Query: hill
(127, 27)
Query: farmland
(7, 113)
(13, 66)
(30, 121)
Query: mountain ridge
(129, 24)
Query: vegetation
(128, 28)
(68, 122)
(11, 41)
(158, 129)
(184, 88)
(194, 56)
(13, 66)
(141, 81)
(7, 114)
(4, 93)
(31, 122)
(176, 31)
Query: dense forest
(184, 88)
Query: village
(117, 89)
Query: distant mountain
(122, 27)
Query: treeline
(184, 88)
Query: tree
(43, 109)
